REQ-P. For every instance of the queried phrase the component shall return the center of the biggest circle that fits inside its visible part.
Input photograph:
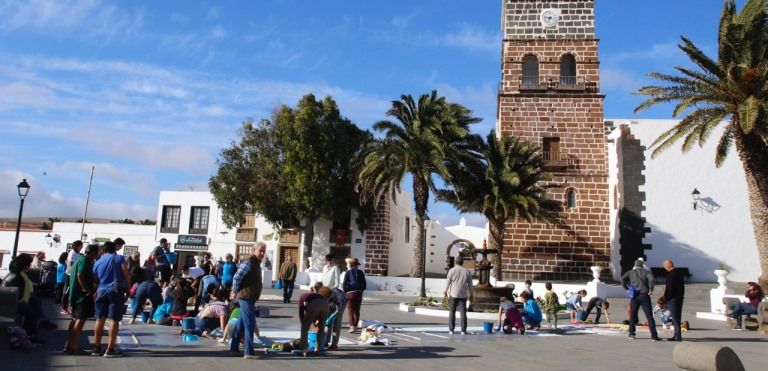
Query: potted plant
(596, 269)
(722, 275)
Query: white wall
(401, 253)
(440, 238)
(699, 239)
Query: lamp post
(23, 190)
(696, 195)
(423, 292)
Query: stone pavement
(418, 342)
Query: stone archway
(460, 246)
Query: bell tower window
(530, 70)
(568, 70)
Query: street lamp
(23, 190)
(423, 292)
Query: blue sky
(149, 92)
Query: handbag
(279, 284)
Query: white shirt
(195, 272)
(331, 276)
(72, 259)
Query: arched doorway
(460, 247)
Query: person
(72, 257)
(149, 266)
(246, 287)
(458, 287)
(331, 272)
(673, 297)
(111, 271)
(38, 261)
(61, 271)
(234, 309)
(665, 315)
(600, 305)
(639, 282)
(754, 294)
(82, 286)
(510, 318)
(134, 261)
(162, 265)
(354, 285)
(287, 275)
(192, 272)
(573, 304)
(147, 289)
(531, 311)
(214, 314)
(338, 302)
(227, 272)
(181, 295)
(207, 264)
(267, 263)
(551, 304)
(207, 284)
(313, 309)
(29, 305)
(123, 286)
(528, 288)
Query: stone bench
(705, 357)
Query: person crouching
(313, 309)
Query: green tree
(732, 92)
(430, 138)
(505, 184)
(293, 169)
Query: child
(601, 305)
(513, 319)
(61, 276)
(665, 314)
(528, 289)
(181, 295)
(573, 304)
(531, 311)
(551, 304)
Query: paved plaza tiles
(418, 342)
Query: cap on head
(639, 263)
(353, 262)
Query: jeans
(30, 319)
(245, 327)
(316, 310)
(742, 308)
(642, 301)
(287, 291)
(461, 303)
(146, 290)
(675, 306)
(597, 315)
(207, 324)
(354, 300)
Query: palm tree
(428, 139)
(732, 92)
(505, 184)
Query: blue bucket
(487, 327)
(313, 340)
(188, 323)
(190, 338)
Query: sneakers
(113, 353)
(450, 332)
(656, 338)
(352, 329)
(151, 322)
(64, 312)
(631, 336)
(463, 332)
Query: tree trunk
(309, 234)
(753, 153)
(420, 199)
(496, 228)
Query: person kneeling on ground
(213, 315)
(181, 295)
(314, 309)
(512, 318)
(573, 305)
(531, 311)
(147, 289)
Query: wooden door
(292, 251)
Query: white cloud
(100, 19)
(43, 202)
(618, 79)
(403, 21)
(471, 38)
(136, 181)
(217, 32)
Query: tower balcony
(556, 83)
(557, 160)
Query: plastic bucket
(145, 316)
(188, 323)
(313, 340)
(190, 337)
(487, 327)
